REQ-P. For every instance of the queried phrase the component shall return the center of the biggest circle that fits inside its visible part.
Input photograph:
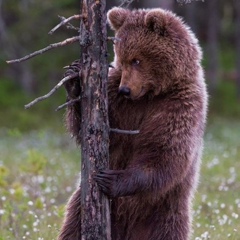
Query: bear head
(155, 51)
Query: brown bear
(156, 86)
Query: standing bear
(156, 86)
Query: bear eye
(135, 62)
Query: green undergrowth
(39, 171)
(217, 203)
(225, 101)
(40, 116)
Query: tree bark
(95, 214)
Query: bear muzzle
(125, 91)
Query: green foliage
(217, 204)
(38, 171)
(27, 25)
(225, 102)
(9, 93)
(227, 58)
(3, 174)
(35, 162)
(42, 115)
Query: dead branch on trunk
(69, 25)
(64, 22)
(69, 103)
(51, 46)
(52, 91)
(114, 39)
(125, 3)
(131, 132)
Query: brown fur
(154, 173)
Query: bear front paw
(108, 181)
(72, 86)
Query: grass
(217, 203)
(39, 170)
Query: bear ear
(156, 20)
(116, 17)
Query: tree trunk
(22, 74)
(95, 214)
(237, 42)
(165, 4)
(190, 15)
(213, 44)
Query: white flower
(2, 211)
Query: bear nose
(124, 91)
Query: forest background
(24, 26)
(39, 162)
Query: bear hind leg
(175, 227)
(71, 228)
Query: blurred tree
(23, 29)
(12, 47)
(166, 4)
(213, 43)
(191, 12)
(237, 42)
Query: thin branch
(64, 21)
(126, 3)
(69, 103)
(51, 46)
(114, 39)
(69, 25)
(181, 2)
(52, 91)
(132, 132)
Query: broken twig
(125, 3)
(64, 21)
(69, 103)
(132, 132)
(70, 26)
(51, 46)
(52, 91)
(114, 39)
